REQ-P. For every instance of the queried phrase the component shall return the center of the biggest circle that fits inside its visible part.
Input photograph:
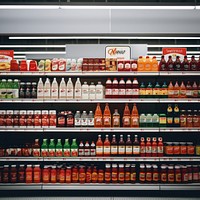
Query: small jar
(190, 148)
(169, 149)
(176, 148)
(183, 148)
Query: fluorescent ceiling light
(63, 46)
(98, 7)
(101, 37)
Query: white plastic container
(92, 91)
(85, 91)
(70, 89)
(54, 89)
(99, 91)
(47, 89)
(78, 89)
(40, 89)
(62, 89)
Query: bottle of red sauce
(94, 175)
(13, 174)
(142, 147)
(121, 173)
(62, 174)
(21, 174)
(178, 178)
(107, 174)
(160, 147)
(148, 174)
(142, 174)
(23, 65)
(53, 174)
(82, 174)
(163, 174)
(14, 66)
(33, 65)
(68, 174)
(37, 174)
(127, 173)
(148, 147)
(114, 173)
(155, 174)
(154, 147)
(29, 174)
(170, 174)
(46, 175)
(184, 174)
(100, 176)
(88, 175)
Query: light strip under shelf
(94, 7)
(99, 37)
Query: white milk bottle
(99, 91)
(78, 93)
(62, 89)
(92, 91)
(70, 89)
(47, 89)
(85, 91)
(40, 89)
(54, 89)
(84, 119)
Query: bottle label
(135, 121)
(164, 91)
(121, 176)
(74, 152)
(90, 121)
(99, 150)
(107, 121)
(142, 176)
(142, 92)
(176, 120)
(87, 152)
(154, 149)
(126, 121)
(127, 66)
(70, 93)
(77, 93)
(93, 152)
(185, 177)
(54, 93)
(106, 150)
(108, 92)
(98, 121)
(114, 176)
(149, 176)
(133, 176)
(182, 92)
(155, 176)
(115, 91)
(84, 121)
(114, 150)
(81, 152)
(160, 149)
(44, 152)
(129, 92)
(62, 93)
(136, 150)
(99, 93)
(171, 177)
(170, 92)
(134, 66)
(77, 121)
(135, 92)
(163, 177)
(122, 92)
(148, 149)
(66, 152)
(121, 150)
(142, 150)
(120, 66)
(47, 93)
(163, 120)
(156, 91)
(116, 121)
(149, 91)
(107, 176)
(70, 121)
(40, 93)
(51, 152)
(36, 152)
(129, 150)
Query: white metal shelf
(124, 100)
(110, 130)
(97, 186)
(102, 73)
(20, 159)
(20, 186)
(100, 159)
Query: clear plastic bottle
(70, 89)
(90, 119)
(92, 91)
(78, 93)
(99, 91)
(85, 91)
(84, 119)
(77, 119)
(62, 89)
(54, 89)
(47, 89)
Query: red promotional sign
(181, 52)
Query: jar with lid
(127, 173)
(169, 149)
(148, 174)
(163, 174)
(155, 174)
(13, 174)
(189, 119)
(184, 174)
(170, 174)
(142, 174)
(114, 173)
(176, 148)
(177, 174)
(183, 119)
(195, 173)
(190, 148)
(121, 173)
(107, 174)
(189, 169)
(183, 148)
(133, 174)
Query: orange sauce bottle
(29, 174)
(99, 147)
(126, 117)
(107, 116)
(170, 90)
(134, 117)
(154, 64)
(141, 64)
(182, 90)
(176, 90)
(147, 65)
(98, 122)
(106, 147)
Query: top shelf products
(143, 64)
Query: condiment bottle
(114, 146)
(37, 174)
(170, 174)
(29, 174)
(127, 173)
(106, 146)
(94, 175)
(163, 174)
(121, 173)
(99, 146)
(107, 174)
(121, 146)
(148, 174)
(178, 178)
(142, 174)
(114, 173)
(129, 148)
(155, 175)
(133, 174)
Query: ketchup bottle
(142, 147)
(160, 147)
(23, 66)
(154, 147)
(148, 147)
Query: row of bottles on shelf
(37, 118)
(129, 89)
(113, 89)
(145, 147)
(110, 173)
(143, 64)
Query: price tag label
(125, 159)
